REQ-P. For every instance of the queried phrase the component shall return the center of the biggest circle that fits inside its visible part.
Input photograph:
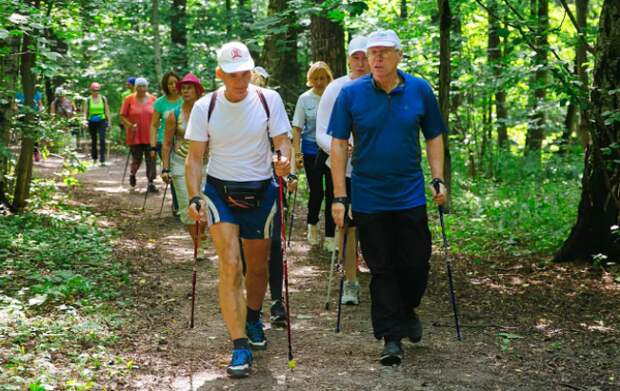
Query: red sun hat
(190, 78)
(95, 86)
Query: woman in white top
(307, 153)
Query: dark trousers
(316, 172)
(397, 247)
(275, 258)
(137, 151)
(97, 129)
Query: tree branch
(579, 32)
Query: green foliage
(61, 294)
(524, 210)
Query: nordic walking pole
(126, 164)
(163, 200)
(194, 271)
(341, 261)
(146, 194)
(291, 220)
(329, 279)
(449, 268)
(291, 362)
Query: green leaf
(4, 34)
(509, 336)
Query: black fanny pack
(241, 195)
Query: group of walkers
(358, 140)
(230, 155)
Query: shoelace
(255, 331)
(240, 357)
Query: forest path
(527, 325)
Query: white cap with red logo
(235, 57)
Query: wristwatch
(341, 200)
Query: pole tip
(292, 364)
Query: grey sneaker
(392, 353)
(351, 293)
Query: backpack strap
(211, 105)
(261, 97)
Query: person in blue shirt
(385, 111)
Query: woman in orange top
(136, 114)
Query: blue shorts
(254, 223)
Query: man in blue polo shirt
(386, 111)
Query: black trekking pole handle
(436, 186)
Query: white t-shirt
(323, 114)
(239, 149)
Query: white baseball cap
(234, 57)
(387, 38)
(140, 81)
(358, 44)
(262, 71)
(59, 91)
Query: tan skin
(141, 96)
(190, 96)
(383, 65)
(173, 96)
(225, 236)
(319, 81)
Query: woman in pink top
(136, 114)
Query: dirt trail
(526, 325)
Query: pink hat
(190, 78)
(95, 86)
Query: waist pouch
(240, 195)
(96, 118)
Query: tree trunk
(156, 38)
(328, 42)
(536, 126)
(280, 54)
(229, 21)
(599, 206)
(580, 60)
(494, 55)
(178, 36)
(246, 20)
(9, 69)
(444, 87)
(23, 170)
(456, 94)
(403, 9)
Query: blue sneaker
(240, 364)
(256, 335)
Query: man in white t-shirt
(236, 125)
(358, 64)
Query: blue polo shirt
(386, 128)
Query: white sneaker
(313, 234)
(329, 244)
(351, 293)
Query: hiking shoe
(329, 244)
(415, 329)
(392, 353)
(103, 164)
(240, 364)
(132, 180)
(313, 234)
(152, 188)
(256, 335)
(351, 293)
(278, 314)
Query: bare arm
(106, 107)
(339, 154)
(435, 153)
(167, 145)
(193, 175)
(154, 126)
(283, 144)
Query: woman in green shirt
(97, 114)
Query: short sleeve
(278, 120)
(341, 122)
(125, 107)
(432, 122)
(299, 118)
(197, 126)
